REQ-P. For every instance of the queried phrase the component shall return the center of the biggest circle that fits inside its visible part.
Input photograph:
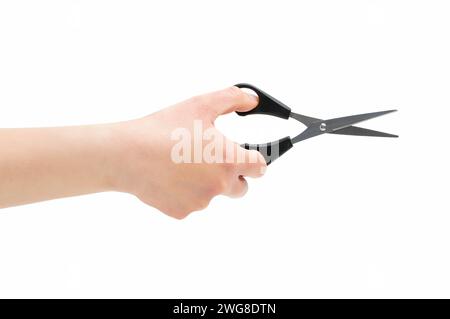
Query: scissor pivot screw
(323, 127)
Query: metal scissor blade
(359, 131)
(343, 122)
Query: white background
(337, 216)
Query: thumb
(229, 100)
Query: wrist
(130, 144)
(101, 155)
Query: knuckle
(202, 204)
(233, 92)
(177, 213)
(179, 216)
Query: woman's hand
(150, 167)
(174, 160)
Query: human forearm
(45, 163)
(135, 157)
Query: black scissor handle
(271, 151)
(267, 105)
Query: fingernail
(253, 97)
(263, 169)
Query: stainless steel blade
(359, 131)
(342, 122)
(339, 124)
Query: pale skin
(38, 164)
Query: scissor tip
(390, 135)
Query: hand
(148, 170)
(139, 157)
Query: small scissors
(268, 105)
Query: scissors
(268, 105)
